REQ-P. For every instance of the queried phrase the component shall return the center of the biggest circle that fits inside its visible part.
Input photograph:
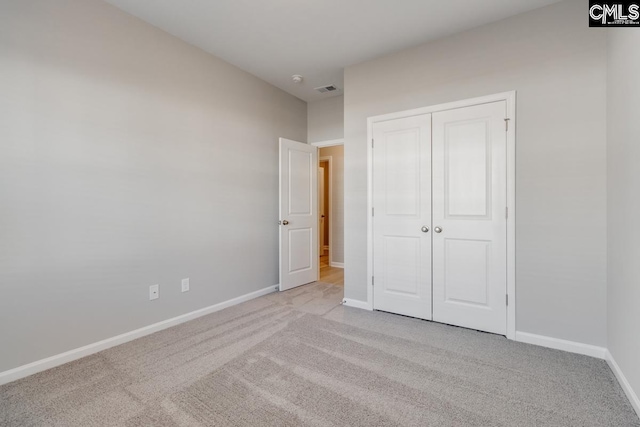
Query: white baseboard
(633, 397)
(71, 355)
(558, 344)
(356, 304)
(337, 264)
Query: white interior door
(298, 214)
(469, 217)
(402, 216)
(321, 191)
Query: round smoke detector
(297, 78)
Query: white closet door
(469, 206)
(402, 216)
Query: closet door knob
(425, 229)
(438, 229)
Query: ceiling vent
(325, 89)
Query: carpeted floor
(299, 358)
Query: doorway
(330, 213)
(324, 205)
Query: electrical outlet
(154, 292)
(185, 285)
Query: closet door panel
(469, 206)
(402, 214)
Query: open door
(298, 214)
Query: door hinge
(506, 212)
(373, 211)
(371, 142)
(373, 282)
(507, 298)
(506, 124)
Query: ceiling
(274, 39)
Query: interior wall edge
(624, 383)
(560, 344)
(363, 305)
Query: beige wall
(557, 64)
(128, 158)
(325, 119)
(623, 158)
(337, 203)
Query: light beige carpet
(299, 358)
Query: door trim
(328, 143)
(329, 160)
(322, 144)
(510, 99)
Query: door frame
(510, 99)
(329, 190)
(328, 143)
(321, 144)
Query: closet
(440, 216)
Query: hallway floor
(328, 274)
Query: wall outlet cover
(185, 285)
(154, 292)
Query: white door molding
(328, 143)
(510, 123)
